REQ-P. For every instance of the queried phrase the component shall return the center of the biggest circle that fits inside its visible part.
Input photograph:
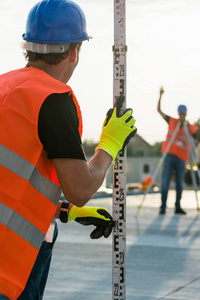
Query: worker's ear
(73, 53)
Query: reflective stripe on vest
(27, 171)
(179, 143)
(21, 226)
(179, 136)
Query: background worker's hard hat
(55, 22)
(182, 108)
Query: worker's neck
(58, 72)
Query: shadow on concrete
(161, 260)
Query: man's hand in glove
(117, 129)
(97, 216)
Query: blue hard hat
(55, 22)
(182, 108)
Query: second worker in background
(177, 155)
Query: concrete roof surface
(163, 254)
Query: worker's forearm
(93, 179)
(159, 104)
(98, 166)
(80, 180)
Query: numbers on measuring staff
(121, 194)
(121, 258)
(116, 289)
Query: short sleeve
(58, 125)
(167, 118)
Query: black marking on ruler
(122, 70)
(121, 274)
(121, 212)
(117, 259)
(118, 164)
(121, 258)
(116, 242)
(116, 180)
(116, 55)
(121, 194)
(116, 225)
(122, 86)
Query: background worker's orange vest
(179, 146)
(29, 187)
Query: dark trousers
(172, 163)
(35, 286)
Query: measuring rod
(119, 165)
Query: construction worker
(41, 150)
(177, 155)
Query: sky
(163, 50)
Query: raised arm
(159, 103)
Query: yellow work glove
(97, 216)
(117, 130)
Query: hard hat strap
(44, 48)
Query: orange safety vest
(29, 187)
(179, 147)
